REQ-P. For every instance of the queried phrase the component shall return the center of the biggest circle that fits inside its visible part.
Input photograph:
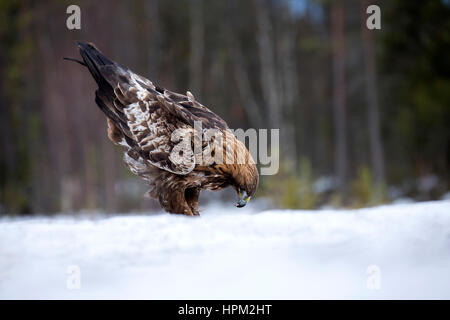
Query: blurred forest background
(364, 114)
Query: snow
(397, 251)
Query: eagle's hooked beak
(243, 199)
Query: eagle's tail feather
(93, 59)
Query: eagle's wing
(147, 115)
(184, 107)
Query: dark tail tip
(82, 45)
(89, 51)
(88, 46)
(93, 59)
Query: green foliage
(307, 198)
(366, 192)
(290, 189)
(362, 187)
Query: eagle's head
(243, 172)
(245, 182)
(238, 170)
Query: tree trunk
(154, 43)
(197, 48)
(269, 83)
(290, 96)
(339, 95)
(376, 147)
(241, 75)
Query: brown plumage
(151, 124)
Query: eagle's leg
(174, 202)
(191, 195)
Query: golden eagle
(152, 124)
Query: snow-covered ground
(396, 251)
